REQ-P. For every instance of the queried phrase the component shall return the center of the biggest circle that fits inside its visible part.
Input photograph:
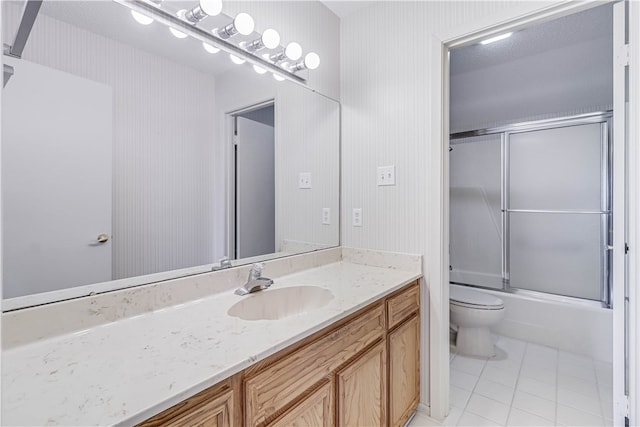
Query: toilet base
(475, 342)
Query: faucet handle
(256, 271)
(224, 263)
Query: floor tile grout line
(522, 357)
(515, 386)
(555, 414)
(539, 397)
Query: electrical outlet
(386, 175)
(304, 180)
(326, 216)
(356, 218)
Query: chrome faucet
(224, 263)
(255, 282)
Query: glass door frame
(604, 118)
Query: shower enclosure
(531, 207)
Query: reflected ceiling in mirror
(120, 158)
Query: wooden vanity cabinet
(362, 390)
(314, 410)
(403, 346)
(274, 384)
(404, 370)
(217, 406)
(363, 370)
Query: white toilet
(474, 312)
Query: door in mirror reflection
(255, 214)
(56, 180)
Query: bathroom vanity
(360, 371)
(216, 359)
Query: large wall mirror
(131, 156)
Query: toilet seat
(468, 298)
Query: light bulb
(244, 23)
(270, 38)
(140, 18)
(312, 60)
(278, 77)
(259, 70)
(211, 7)
(496, 38)
(176, 33)
(236, 60)
(210, 48)
(293, 51)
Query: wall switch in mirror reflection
(356, 219)
(326, 216)
(304, 180)
(386, 175)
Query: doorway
(439, 274)
(253, 165)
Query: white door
(620, 299)
(56, 180)
(255, 189)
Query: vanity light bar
(203, 9)
(166, 18)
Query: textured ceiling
(590, 24)
(114, 21)
(343, 9)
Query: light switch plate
(326, 216)
(356, 218)
(386, 175)
(304, 180)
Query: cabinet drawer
(403, 305)
(281, 383)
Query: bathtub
(564, 323)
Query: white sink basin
(280, 303)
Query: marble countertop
(124, 372)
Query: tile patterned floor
(527, 385)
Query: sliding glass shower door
(557, 210)
(476, 224)
(530, 207)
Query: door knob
(102, 238)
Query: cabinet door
(214, 413)
(404, 370)
(362, 390)
(282, 382)
(314, 411)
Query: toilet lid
(466, 297)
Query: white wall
(386, 87)
(160, 165)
